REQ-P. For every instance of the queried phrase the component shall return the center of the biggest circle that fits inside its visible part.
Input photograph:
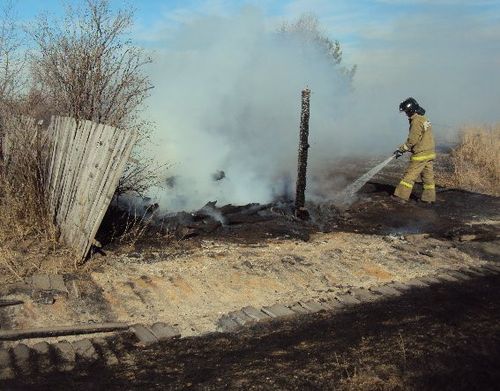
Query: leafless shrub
(136, 227)
(21, 199)
(11, 58)
(87, 65)
(127, 226)
(88, 68)
(11, 64)
(22, 173)
(307, 28)
(26, 233)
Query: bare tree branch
(307, 28)
(88, 67)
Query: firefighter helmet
(409, 106)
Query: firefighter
(420, 143)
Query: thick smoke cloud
(227, 98)
(227, 95)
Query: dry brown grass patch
(368, 379)
(475, 161)
(27, 234)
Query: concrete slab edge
(45, 357)
(63, 356)
(351, 297)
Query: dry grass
(476, 160)
(27, 235)
(23, 209)
(369, 379)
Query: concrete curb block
(348, 299)
(164, 332)
(227, 324)
(402, 287)
(255, 314)
(417, 283)
(64, 356)
(459, 275)
(144, 334)
(365, 295)
(233, 321)
(22, 355)
(296, 307)
(240, 317)
(85, 351)
(277, 311)
(473, 272)
(102, 347)
(447, 277)
(430, 280)
(311, 306)
(386, 291)
(42, 356)
(333, 305)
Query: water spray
(348, 194)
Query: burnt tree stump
(300, 198)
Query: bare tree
(11, 66)
(88, 67)
(11, 61)
(307, 28)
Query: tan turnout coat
(420, 140)
(421, 144)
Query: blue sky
(356, 23)
(343, 18)
(452, 46)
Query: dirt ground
(191, 283)
(446, 337)
(441, 338)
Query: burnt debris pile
(252, 222)
(211, 218)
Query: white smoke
(227, 94)
(227, 97)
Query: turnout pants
(414, 170)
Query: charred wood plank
(6, 303)
(56, 331)
(206, 226)
(249, 208)
(240, 218)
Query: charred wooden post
(300, 198)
